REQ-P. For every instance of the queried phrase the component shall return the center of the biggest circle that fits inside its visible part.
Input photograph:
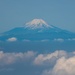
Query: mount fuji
(35, 30)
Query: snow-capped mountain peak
(35, 30)
(37, 23)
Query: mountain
(35, 30)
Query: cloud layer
(59, 62)
(10, 58)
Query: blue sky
(14, 13)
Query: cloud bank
(63, 66)
(59, 62)
(10, 58)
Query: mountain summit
(37, 23)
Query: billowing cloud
(12, 39)
(10, 58)
(59, 62)
(51, 57)
(63, 66)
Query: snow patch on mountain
(37, 23)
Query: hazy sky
(14, 13)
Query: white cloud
(51, 57)
(74, 52)
(40, 59)
(62, 62)
(12, 39)
(59, 40)
(65, 65)
(10, 58)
